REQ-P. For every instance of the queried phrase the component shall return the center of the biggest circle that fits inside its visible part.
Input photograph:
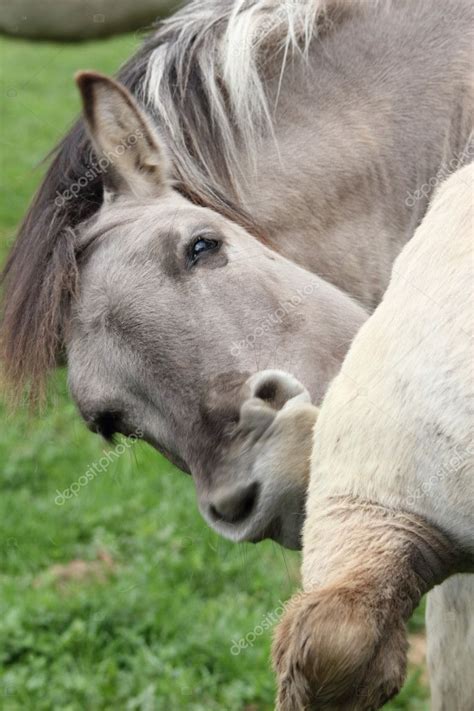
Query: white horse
(390, 510)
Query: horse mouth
(272, 531)
(282, 532)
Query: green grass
(155, 630)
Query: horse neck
(346, 177)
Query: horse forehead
(154, 229)
(135, 256)
(143, 247)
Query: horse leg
(450, 630)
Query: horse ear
(131, 156)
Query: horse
(390, 506)
(234, 202)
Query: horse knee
(331, 651)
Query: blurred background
(118, 597)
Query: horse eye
(200, 246)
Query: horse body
(390, 504)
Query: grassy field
(119, 598)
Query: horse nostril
(267, 391)
(235, 505)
